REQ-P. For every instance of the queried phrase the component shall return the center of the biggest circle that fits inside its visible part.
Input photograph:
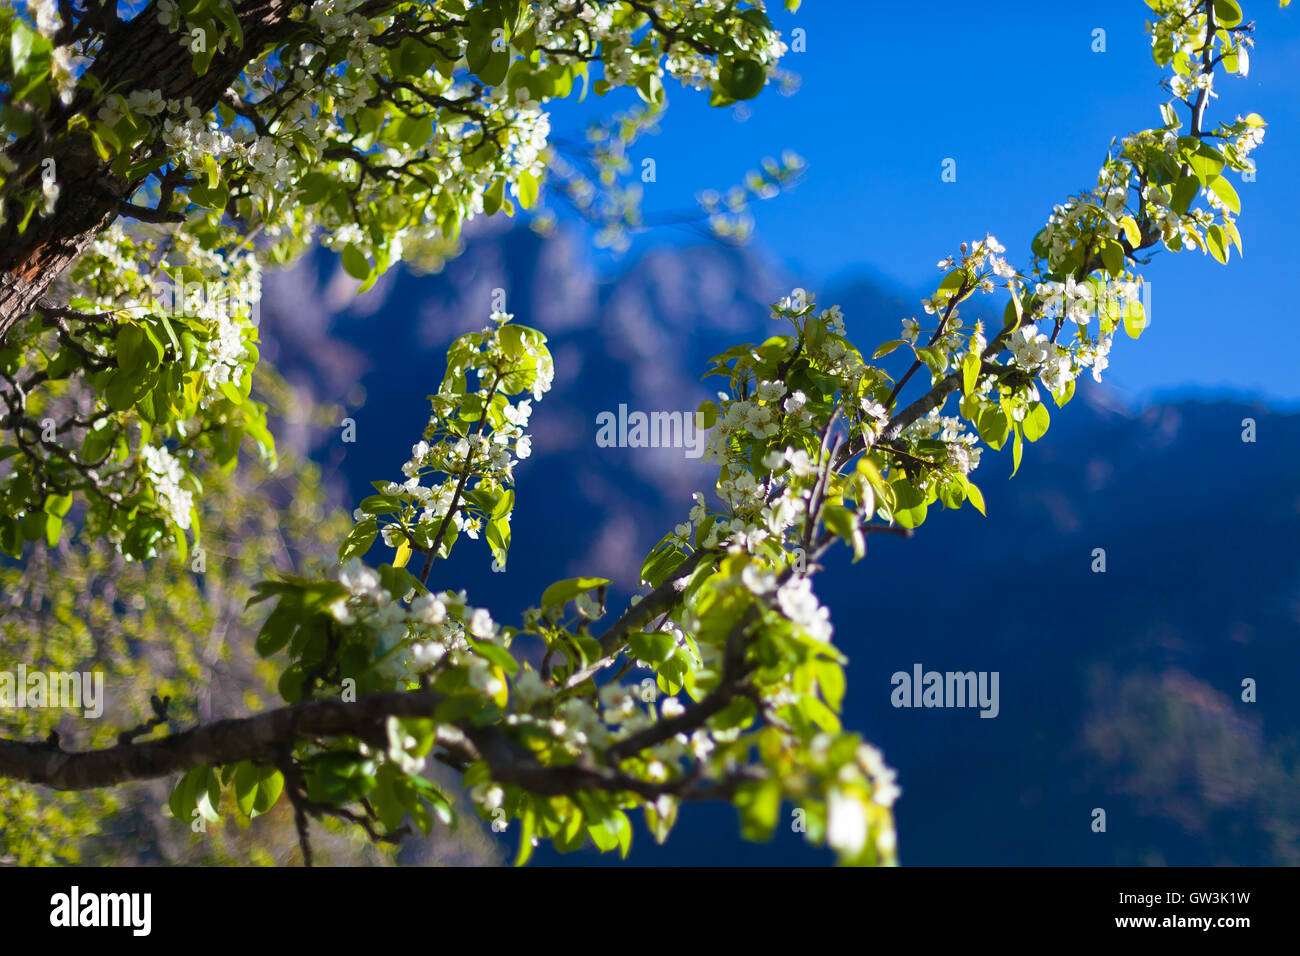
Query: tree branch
(222, 742)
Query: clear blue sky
(1014, 93)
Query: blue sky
(1013, 93)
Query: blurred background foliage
(169, 629)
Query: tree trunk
(139, 55)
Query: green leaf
(830, 678)
(277, 630)
(652, 647)
(97, 441)
(359, 539)
(208, 196)
(934, 358)
(1112, 257)
(562, 591)
(421, 789)
(313, 187)
(651, 88)
(741, 78)
(1217, 242)
(1184, 192)
(210, 167)
(25, 46)
(128, 343)
(525, 837)
(602, 834)
(954, 282)
(1226, 193)
(970, 372)
(993, 426)
(104, 135)
(193, 789)
(1134, 319)
(494, 196)
(124, 389)
(844, 522)
(257, 788)
(482, 57)
(232, 392)
(1203, 160)
(1036, 421)
(1062, 398)
(1013, 314)
(709, 411)
(622, 828)
(496, 654)
(151, 350)
(413, 57)
(952, 493)
(415, 131)
(385, 797)
(820, 714)
(355, 262)
(909, 504)
(1233, 234)
(759, 805)
(1227, 13)
(1131, 231)
(526, 188)
(660, 816)
(11, 542)
(1162, 51)
(380, 504)
(224, 9)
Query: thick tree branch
(265, 738)
(256, 738)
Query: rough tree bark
(138, 54)
(260, 738)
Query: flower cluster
(431, 634)
(474, 433)
(166, 475)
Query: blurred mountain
(1119, 690)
